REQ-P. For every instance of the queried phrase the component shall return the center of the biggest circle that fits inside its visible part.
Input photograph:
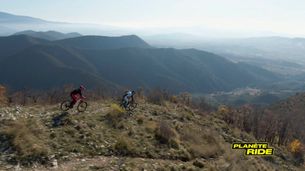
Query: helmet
(82, 87)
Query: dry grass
(201, 143)
(151, 126)
(167, 135)
(27, 137)
(124, 146)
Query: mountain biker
(128, 97)
(76, 95)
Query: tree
(297, 150)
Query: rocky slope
(153, 137)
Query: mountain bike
(81, 105)
(130, 106)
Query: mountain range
(128, 61)
(11, 23)
(48, 35)
(10, 18)
(283, 55)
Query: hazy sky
(285, 16)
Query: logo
(258, 148)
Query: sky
(278, 16)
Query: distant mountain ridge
(49, 35)
(13, 44)
(10, 24)
(126, 61)
(11, 18)
(283, 55)
(104, 42)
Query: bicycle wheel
(65, 105)
(82, 106)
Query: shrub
(124, 146)
(202, 105)
(166, 135)
(223, 110)
(295, 146)
(158, 97)
(140, 119)
(116, 109)
(115, 114)
(185, 98)
(297, 150)
(174, 99)
(226, 114)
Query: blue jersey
(128, 94)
